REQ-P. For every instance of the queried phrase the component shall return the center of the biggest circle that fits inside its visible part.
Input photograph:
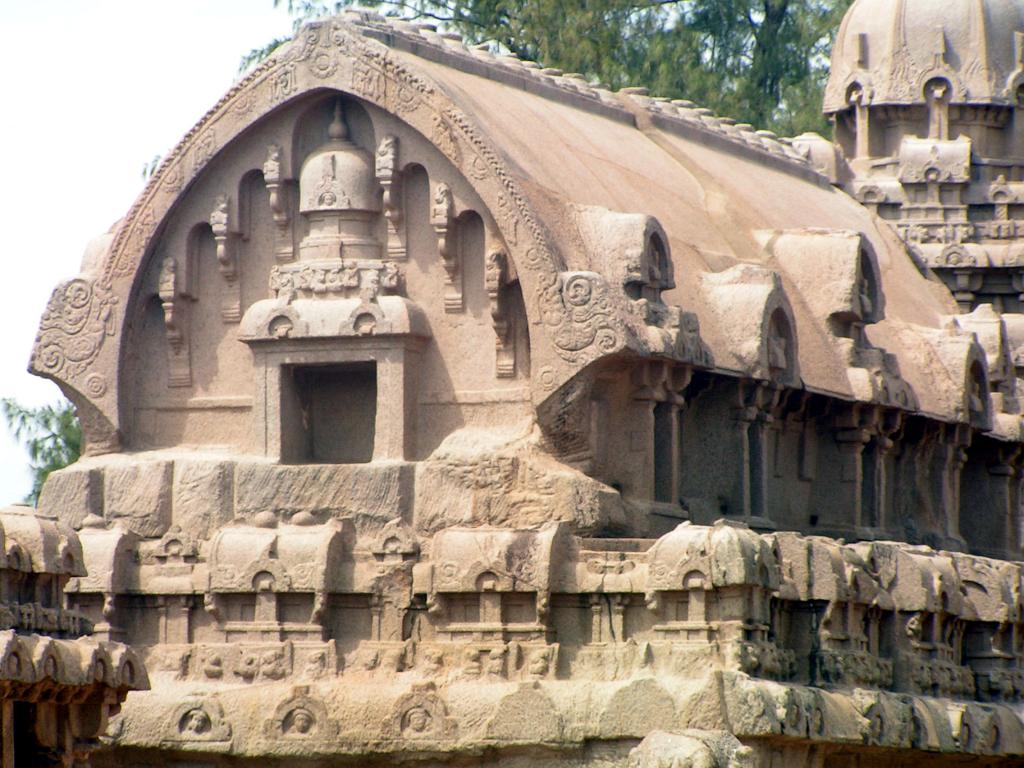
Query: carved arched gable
(80, 337)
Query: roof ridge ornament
(337, 130)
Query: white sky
(94, 89)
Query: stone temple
(444, 410)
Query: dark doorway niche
(329, 413)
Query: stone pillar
(849, 499)
(955, 440)
(751, 414)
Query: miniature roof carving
(35, 544)
(299, 558)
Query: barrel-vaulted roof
(542, 149)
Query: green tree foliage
(760, 61)
(51, 434)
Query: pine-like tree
(763, 62)
(51, 434)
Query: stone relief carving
(79, 318)
(227, 261)
(277, 188)
(179, 354)
(198, 720)
(301, 716)
(496, 277)
(422, 714)
(389, 176)
(583, 322)
(442, 219)
(344, 279)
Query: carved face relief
(195, 722)
(299, 722)
(417, 721)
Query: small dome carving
(340, 175)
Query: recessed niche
(328, 413)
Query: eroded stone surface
(633, 444)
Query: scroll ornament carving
(282, 83)
(577, 306)
(78, 319)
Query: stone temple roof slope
(743, 215)
(711, 184)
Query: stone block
(72, 493)
(370, 494)
(203, 495)
(514, 492)
(139, 496)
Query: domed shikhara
(927, 101)
(890, 50)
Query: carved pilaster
(390, 180)
(227, 262)
(284, 250)
(178, 354)
(442, 219)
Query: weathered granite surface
(445, 409)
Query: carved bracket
(442, 219)
(277, 188)
(390, 179)
(495, 278)
(172, 300)
(227, 261)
